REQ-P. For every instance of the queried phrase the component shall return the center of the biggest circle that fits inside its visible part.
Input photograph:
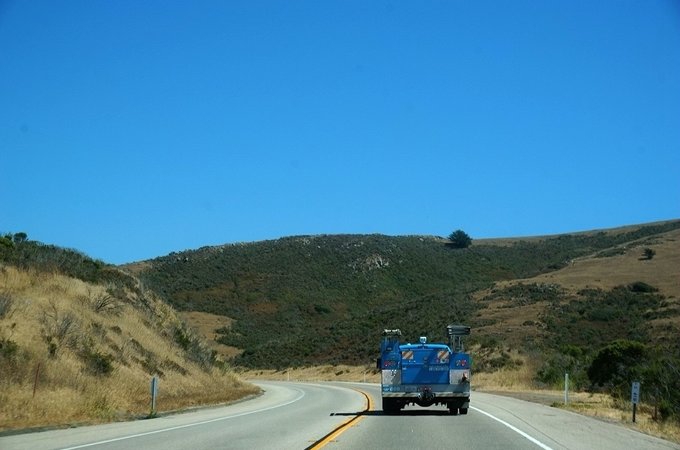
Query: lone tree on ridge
(460, 239)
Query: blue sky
(129, 130)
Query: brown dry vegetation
(71, 353)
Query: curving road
(337, 416)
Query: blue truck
(425, 374)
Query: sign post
(635, 396)
(154, 393)
(566, 388)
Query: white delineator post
(154, 394)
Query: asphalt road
(336, 416)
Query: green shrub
(14, 362)
(194, 347)
(97, 363)
(618, 364)
(640, 286)
(572, 360)
(8, 349)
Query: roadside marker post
(154, 394)
(566, 388)
(635, 396)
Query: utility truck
(425, 374)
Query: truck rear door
(425, 366)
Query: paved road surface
(305, 415)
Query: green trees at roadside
(621, 362)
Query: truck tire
(463, 410)
(453, 409)
(390, 406)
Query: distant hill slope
(583, 303)
(325, 299)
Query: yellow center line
(344, 426)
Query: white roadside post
(635, 396)
(566, 388)
(154, 394)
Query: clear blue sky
(130, 129)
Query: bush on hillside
(640, 286)
(196, 350)
(649, 253)
(617, 365)
(14, 361)
(460, 239)
(97, 363)
(661, 380)
(570, 359)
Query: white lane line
(513, 428)
(179, 427)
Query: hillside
(307, 300)
(82, 347)
(512, 302)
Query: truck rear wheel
(463, 410)
(390, 406)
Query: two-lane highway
(312, 415)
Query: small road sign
(635, 393)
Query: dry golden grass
(40, 386)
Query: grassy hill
(325, 299)
(80, 341)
